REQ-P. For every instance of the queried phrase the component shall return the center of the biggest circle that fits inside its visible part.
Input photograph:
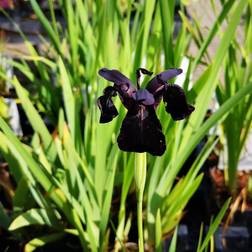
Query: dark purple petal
(107, 108)
(176, 103)
(123, 85)
(141, 131)
(156, 86)
(114, 76)
(159, 79)
(170, 73)
(109, 91)
(144, 97)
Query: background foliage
(72, 177)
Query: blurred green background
(65, 179)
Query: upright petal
(123, 85)
(176, 103)
(156, 82)
(170, 73)
(141, 131)
(114, 76)
(157, 85)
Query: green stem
(140, 223)
(140, 177)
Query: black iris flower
(141, 130)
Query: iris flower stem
(140, 177)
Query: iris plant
(141, 130)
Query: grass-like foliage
(75, 178)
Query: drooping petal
(109, 91)
(123, 85)
(143, 96)
(106, 105)
(176, 103)
(141, 131)
(156, 85)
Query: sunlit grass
(73, 172)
